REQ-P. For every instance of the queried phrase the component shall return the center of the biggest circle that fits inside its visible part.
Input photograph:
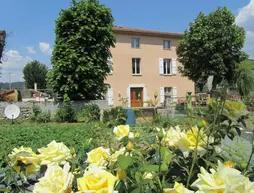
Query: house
(144, 67)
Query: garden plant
(207, 154)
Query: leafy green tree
(212, 46)
(2, 42)
(35, 72)
(245, 78)
(84, 36)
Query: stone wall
(26, 107)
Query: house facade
(144, 68)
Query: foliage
(212, 46)
(83, 39)
(245, 78)
(2, 45)
(204, 152)
(39, 116)
(114, 116)
(90, 112)
(66, 113)
(75, 135)
(35, 72)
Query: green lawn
(34, 135)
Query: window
(135, 66)
(166, 66)
(166, 44)
(135, 42)
(168, 91)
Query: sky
(30, 24)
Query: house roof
(145, 32)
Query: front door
(136, 97)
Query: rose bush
(189, 158)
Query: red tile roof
(144, 32)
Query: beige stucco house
(144, 65)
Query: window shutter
(110, 96)
(174, 66)
(162, 95)
(174, 94)
(161, 65)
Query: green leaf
(150, 168)
(166, 155)
(124, 161)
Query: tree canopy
(2, 42)
(35, 72)
(211, 46)
(245, 77)
(84, 36)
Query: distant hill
(17, 85)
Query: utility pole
(10, 82)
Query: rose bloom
(96, 180)
(172, 136)
(98, 156)
(223, 180)
(56, 180)
(178, 188)
(188, 141)
(24, 156)
(54, 153)
(121, 131)
(113, 157)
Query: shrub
(39, 116)
(114, 116)
(44, 117)
(66, 113)
(90, 112)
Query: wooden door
(136, 97)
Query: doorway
(137, 97)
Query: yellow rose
(98, 156)
(55, 180)
(190, 139)
(172, 136)
(54, 153)
(148, 176)
(26, 157)
(121, 131)
(178, 188)
(130, 146)
(223, 179)
(229, 164)
(113, 157)
(96, 180)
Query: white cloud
(13, 65)
(245, 18)
(45, 48)
(30, 50)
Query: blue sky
(30, 24)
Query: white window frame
(167, 66)
(169, 44)
(173, 66)
(135, 66)
(135, 42)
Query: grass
(34, 135)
